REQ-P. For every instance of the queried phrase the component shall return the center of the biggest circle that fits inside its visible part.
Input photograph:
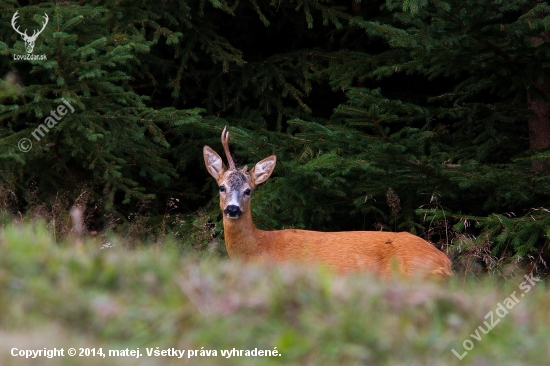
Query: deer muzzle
(232, 212)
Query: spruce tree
(429, 117)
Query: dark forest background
(424, 116)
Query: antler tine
(225, 143)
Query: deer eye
(247, 192)
(222, 188)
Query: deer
(29, 40)
(382, 253)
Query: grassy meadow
(59, 295)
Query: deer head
(29, 40)
(236, 185)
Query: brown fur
(380, 252)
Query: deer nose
(232, 211)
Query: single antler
(225, 143)
(46, 18)
(13, 20)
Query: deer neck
(241, 236)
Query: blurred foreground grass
(53, 295)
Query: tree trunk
(539, 123)
(355, 7)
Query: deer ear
(214, 164)
(263, 170)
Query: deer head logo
(29, 40)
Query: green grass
(56, 295)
